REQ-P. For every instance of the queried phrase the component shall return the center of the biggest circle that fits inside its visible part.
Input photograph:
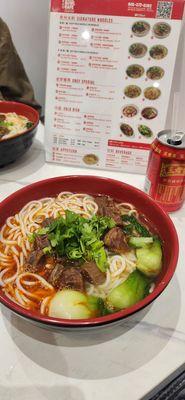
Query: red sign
(131, 145)
(142, 9)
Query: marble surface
(123, 362)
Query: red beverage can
(165, 177)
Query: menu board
(110, 69)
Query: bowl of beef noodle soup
(83, 251)
(18, 126)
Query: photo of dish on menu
(109, 79)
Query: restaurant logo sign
(68, 5)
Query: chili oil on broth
(22, 287)
(32, 290)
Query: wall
(28, 23)
(178, 84)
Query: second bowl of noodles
(18, 126)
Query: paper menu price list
(77, 98)
(73, 90)
(95, 123)
(91, 83)
(76, 58)
(73, 141)
(94, 64)
(71, 150)
(80, 37)
(67, 119)
(71, 120)
(74, 151)
(119, 158)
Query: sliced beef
(107, 208)
(41, 242)
(47, 222)
(69, 278)
(92, 274)
(2, 117)
(115, 240)
(35, 261)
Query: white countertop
(123, 363)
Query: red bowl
(13, 148)
(121, 192)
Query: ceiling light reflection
(86, 35)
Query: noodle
(15, 123)
(118, 272)
(25, 288)
(44, 304)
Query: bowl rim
(28, 108)
(111, 318)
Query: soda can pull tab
(176, 140)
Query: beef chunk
(47, 222)
(3, 131)
(37, 258)
(2, 117)
(72, 279)
(66, 262)
(55, 276)
(115, 240)
(72, 263)
(107, 208)
(69, 278)
(49, 264)
(92, 274)
(35, 261)
(41, 242)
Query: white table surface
(123, 363)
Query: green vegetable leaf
(73, 251)
(71, 217)
(43, 231)
(103, 308)
(53, 241)
(31, 237)
(6, 124)
(149, 259)
(78, 237)
(128, 229)
(47, 250)
(129, 292)
(93, 303)
(100, 258)
(29, 124)
(140, 241)
(136, 225)
(53, 225)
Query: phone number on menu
(131, 4)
